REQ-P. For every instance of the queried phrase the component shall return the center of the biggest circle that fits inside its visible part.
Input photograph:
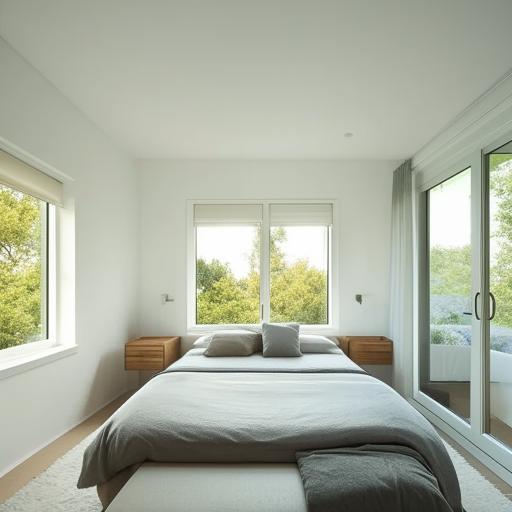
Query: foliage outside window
(299, 286)
(450, 272)
(23, 256)
(228, 290)
(229, 274)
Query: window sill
(15, 365)
(324, 330)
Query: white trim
(460, 134)
(468, 445)
(443, 171)
(265, 263)
(54, 438)
(322, 329)
(412, 374)
(32, 160)
(331, 328)
(20, 176)
(477, 345)
(23, 363)
(497, 143)
(191, 266)
(26, 349)
(52, 282)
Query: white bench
(212, 488)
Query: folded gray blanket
(369, 478)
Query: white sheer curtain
(401, 296)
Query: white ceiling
(266, 78)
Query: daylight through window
(23, 268)
(261, 262)
(27, 257)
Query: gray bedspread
(369, 478)
(189, 414)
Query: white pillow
(203, 341)
(313, 344)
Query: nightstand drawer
(151, 353)
(369, 349)
(144, 359)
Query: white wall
(363, 191)
(119, 212)
(42, 403)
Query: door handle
(493, 301)
(475, 305)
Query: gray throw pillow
(280, 340)
(233, 343)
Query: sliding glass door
(445, 352)
(498, 351)
(463, 335)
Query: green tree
(223, 299)
(299, 294)
(450, 271)
(207, 274)
(228, 301)
(20, 274)
(501, 271)
(451, 267)
(299, 291)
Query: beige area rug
(55, 490)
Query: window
(26, 255)
(263, 261)
(299, 263)
(23, 276)
(228, 274)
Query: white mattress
(212, 488)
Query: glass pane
(500, 252)
(227, 275)
(299, 262)
(23, 253)
(445, 357)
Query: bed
(356, 444)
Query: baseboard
(41, 447)
(474, 450)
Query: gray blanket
(369, 478)
(259, 416)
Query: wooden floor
(33, 466)
(22, 474)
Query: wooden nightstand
(151, 353)
(367, 349)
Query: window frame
(332, 265)
(49, 289)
